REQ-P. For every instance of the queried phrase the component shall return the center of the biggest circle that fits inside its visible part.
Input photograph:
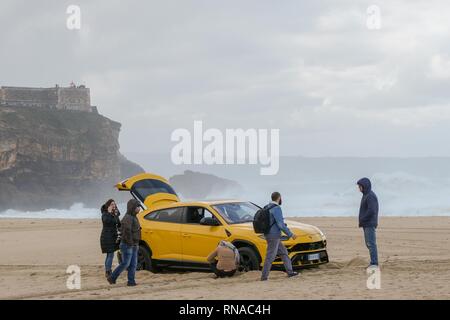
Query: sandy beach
(414, 256)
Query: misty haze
(349, 100)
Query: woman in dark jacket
(129, 246)
(110, 237)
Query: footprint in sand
(357, 262)
(334, 265)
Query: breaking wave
(77, 211)
(400, 193)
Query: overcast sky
(310, 68)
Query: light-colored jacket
(226, 258)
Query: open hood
(150, 189)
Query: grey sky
(311, 68)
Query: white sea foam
(399, 194)
(312, 188)
(77, 211)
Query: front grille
(303, 259)
(307, 246)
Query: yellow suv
(182, 234)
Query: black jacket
(109, 235)
(368, 211)
(131, 230)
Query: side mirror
(207, 221)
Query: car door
(161, 230)
(198, 241)
(152, 190)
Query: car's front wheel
(249, 260)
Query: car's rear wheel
(144, 260)
(249, 260)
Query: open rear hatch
(152, 190)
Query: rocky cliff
(53, 159)
(197, 185)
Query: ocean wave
(77, 211)
(400, 193)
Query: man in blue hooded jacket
(368, 218)
(273, 237)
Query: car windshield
(237, 212)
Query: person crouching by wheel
(110, 236)
(224, 259)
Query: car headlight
(322, 235)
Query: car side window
(195, 214)
(173, 215)
(208, 214)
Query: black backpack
(261, 220)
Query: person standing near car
(273, 237)
(129, 245)
(110, 236)
(224, 259)
(368, 218)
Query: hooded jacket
(368, 211)
(130, 227)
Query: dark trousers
(221, 273)
(370, 237)
(275, 247)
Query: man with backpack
(270, 222)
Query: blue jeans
(371, 242)
(129, 261)
(109, 261)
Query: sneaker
(132, 284)
(372, 268)
(111, 280)
(293, 274)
